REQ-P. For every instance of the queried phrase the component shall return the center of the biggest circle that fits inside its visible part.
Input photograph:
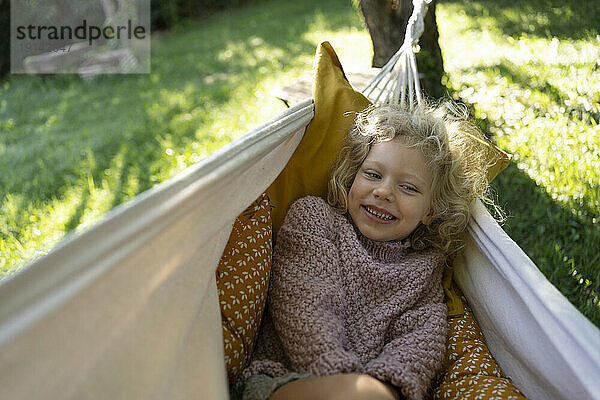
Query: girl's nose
(383, 191)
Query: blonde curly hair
(458, 162)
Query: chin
(377, 236)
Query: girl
(356, 305)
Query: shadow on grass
(562, 237)
(565, 19)
(560, 234)
(558, 242)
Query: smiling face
(391, 193)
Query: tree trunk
(386, 21)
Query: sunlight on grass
(88, 146)
(353, 46)
(538, 94)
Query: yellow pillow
(336, 105)
(242, 282)
(470, 371)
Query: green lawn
(70, 150)
(532, 72)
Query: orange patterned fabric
(470, 370)
(242, 282)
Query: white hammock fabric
(129, 308)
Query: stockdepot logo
(88, 37)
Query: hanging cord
(401, 70)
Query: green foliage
(430, 74)
(531, 72)
(164, 13)
(566, 19)
(168, 13)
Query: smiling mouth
(383, 217)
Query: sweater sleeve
(416, 349)
(306, 296)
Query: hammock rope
(401, 70)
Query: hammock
(129, 308)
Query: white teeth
(382, 216)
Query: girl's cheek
(356, 184)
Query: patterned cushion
(242, 281)
(470, 371)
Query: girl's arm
(416, 351)
(306, 294)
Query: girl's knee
(362, 387)
(337, 387)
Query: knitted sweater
(342, 303)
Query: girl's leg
(334, 387)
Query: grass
(531, 70)
(70, 150)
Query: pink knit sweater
(341, 303)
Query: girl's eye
(409, 188)
(373, 175)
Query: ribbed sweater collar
(387, 252)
